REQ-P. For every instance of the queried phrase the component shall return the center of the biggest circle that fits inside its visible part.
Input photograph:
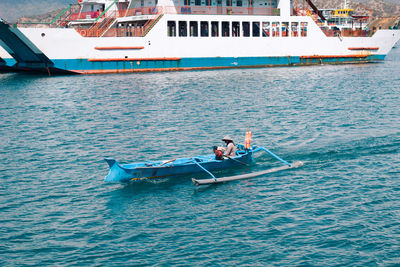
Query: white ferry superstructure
(119, 36)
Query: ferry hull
(64, 50)
(86, 66)
(184, 64)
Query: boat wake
(351, 149)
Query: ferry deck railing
(203, 10)
(328, 28)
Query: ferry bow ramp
(25, 53)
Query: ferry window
(204, 28)
(256, 29)
(182, 28)
(225, 28)
(228, 2)
(194, 31)
(239, 3)
(294, 29)
(214, 28)
(235, 29)
(275, 29)
(265, 29)
(285, 29)
(246, 28)
(171, 25)
(186, 2)
(197, 2)
(303, 29)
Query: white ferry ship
(117, 36)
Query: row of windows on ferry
(236, 29)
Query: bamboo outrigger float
(245, 176)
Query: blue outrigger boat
(179, 166)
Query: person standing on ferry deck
(230, 149)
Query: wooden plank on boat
(246, 176)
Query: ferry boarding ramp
(25, 53)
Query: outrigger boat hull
(180, 166)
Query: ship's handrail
(99, 28)
(134, 31)
(347, 33)
(206, 10)
(222, 10)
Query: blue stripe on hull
(86, 66)
(231, 62)
(10, 61)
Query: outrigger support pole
(275, 156)
(194, 160)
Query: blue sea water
(341, 208)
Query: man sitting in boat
(230, 150)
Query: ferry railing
(138, 11)
(221, 10)
(103, 25)
(85, 15)
(102, 22)
(346, 33)
(206, 10)
(133, 31)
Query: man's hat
(227, 138)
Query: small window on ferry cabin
(303, 29)
(295, 29)
(256, 29)
(265, 29)
(204, 28)
(246, 28)
(197, 2)
(275, 29)
(239, 3)
(235, 29)
(194, 29)
(186, 2)
(285, 29)
(214, 29)
(171, 26)
(225, 28)
(182, 28)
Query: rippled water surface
(341, 208)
